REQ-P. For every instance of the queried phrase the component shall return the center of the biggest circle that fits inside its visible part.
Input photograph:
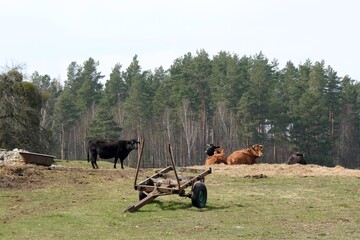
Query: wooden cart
(171, 180)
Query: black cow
(211, 149)
(110, 149)
(297, 157)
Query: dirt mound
(14, 176)
(32, 176)
(283, 170)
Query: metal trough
(37, 158)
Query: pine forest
(230, 100)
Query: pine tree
(297, 128)
(131, 72)
(67, 114)
(50, 90)
(254, 104)
(138, 103)
(348, 143)
(103, 125)
(115, 87)
(89, 94)
(74, 80)
(313, 114)
(20, 105)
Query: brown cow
(217, 158)
(245, 156)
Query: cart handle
(138, 161)
(173, 165)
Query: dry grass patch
(295, 170)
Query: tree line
(226, 99)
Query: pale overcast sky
(47, 35)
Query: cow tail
(88, 154)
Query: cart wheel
(199, 195)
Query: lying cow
(211, 149)
(245, 156)
(297, 157)
(217, 157)
(110, 149)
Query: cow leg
(94, 164)
(115, 161)
(121, 161)
(93, 161)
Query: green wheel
(199, 195)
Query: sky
(47, 35)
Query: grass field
(262, 201)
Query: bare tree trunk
(202, 135)
(190, 126)
(167, 137)
(119, 116)
(274, 154)
(75, 143)
(62, 141)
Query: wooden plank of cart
(171, 180)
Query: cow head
(134, 143)
(256, 150)
(211, 148)
(219, 151)
(301, 154)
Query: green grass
(88, 205)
